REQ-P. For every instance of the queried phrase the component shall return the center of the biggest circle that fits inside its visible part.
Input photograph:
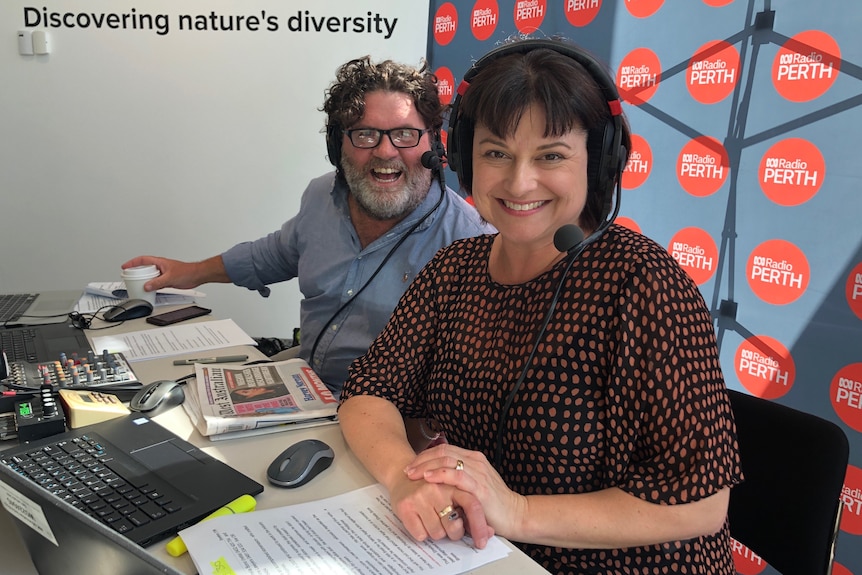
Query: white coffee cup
(136, 277)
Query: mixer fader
(92, 370)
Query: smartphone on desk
(178, 315)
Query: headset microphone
(431, 160)
(568, 237)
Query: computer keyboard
(13, 305)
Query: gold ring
(459, 465)
(446, 511)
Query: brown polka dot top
(625, 389)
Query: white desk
(251, 456)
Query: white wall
(123, 142)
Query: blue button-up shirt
(321, 248)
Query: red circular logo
(643, 8)
(445, 23)
(778, 272)
(806, 66)
(713, 72)
(854, 290)
(639, 165)
(638, 76)
(702, 166)
(839, 569)
(581, 13)
(718, 4)
(529, 15)
(696, 253)
(628, 223)
(765, 367)
(445, 85)
(846, 391)
(851, 496)
(484, 19)
(791, 172)
(746, 561)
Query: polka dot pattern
(625, 389)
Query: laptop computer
(43, 343)
(38, 308)
(64, 533)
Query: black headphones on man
(606, 154)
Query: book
(233, 400)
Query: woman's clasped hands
(453, 492)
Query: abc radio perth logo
(765, 367)
(484, 19)
(702, 166)
(854, 290)
(529, 15)
(791, 172)
(639, 166)
(778, 272)
(806, 66)
(580, 13)
(445, 23)
(696, 253)
(713, 72)
(638, 76)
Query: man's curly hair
(345, 99)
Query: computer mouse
(300, 463)
(128, 309)
(160, 394)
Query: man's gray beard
(387, 206)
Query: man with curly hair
(373, 222)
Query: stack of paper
(101, 294)
(356, 533)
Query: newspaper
(227, 399)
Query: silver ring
(459, 465)
(453, 515)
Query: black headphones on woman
(606, 154)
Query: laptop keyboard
(13, 305)
(112, 488)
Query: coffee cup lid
(141, 272)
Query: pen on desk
(241, 504)
(222, 359)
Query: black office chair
(788, 509)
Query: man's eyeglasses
(400, 137)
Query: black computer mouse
(300, 463)
(128, 309)
(161, 394)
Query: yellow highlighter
(241, 504)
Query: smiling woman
(577, 387)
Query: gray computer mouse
(300, 463)
(128, 309)
(160, 394)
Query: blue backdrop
(767, 212)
